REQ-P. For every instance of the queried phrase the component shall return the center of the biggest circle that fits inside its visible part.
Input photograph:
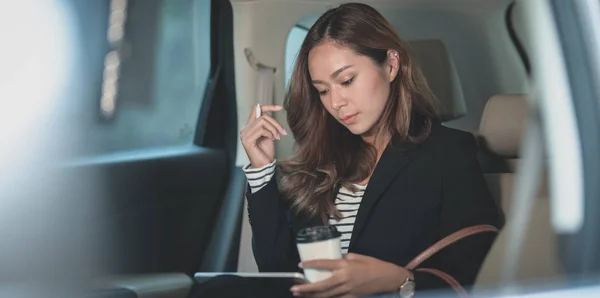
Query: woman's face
(352, 88)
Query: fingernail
(278, 137)
(295, 290)
(300, 265)
(284, 132)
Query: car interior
(469, 52)
(166, 147)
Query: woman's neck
(380, 144)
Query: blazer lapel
(392, 161)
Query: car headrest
(503, 124)
(437, 66)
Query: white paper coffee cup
(315, 243)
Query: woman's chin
(356, 129)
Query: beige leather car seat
(501, 129)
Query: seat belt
(527, 183)
(264, 96)
(266, 85)
(266, 79)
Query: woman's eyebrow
(334, 75)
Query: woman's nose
(338, 100)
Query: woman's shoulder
(451, 149)
(445, 138)
(442, 143)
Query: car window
(293, 43)
(154, 69)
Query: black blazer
(417, 195)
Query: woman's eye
(323, 92)
(348, 82)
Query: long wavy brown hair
(328, 155)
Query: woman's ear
(393, 64)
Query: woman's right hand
(259, 134)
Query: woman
(371, 158)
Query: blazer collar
(393, 160)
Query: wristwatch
(407, 289)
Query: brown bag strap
(466, 232)
(449, 279)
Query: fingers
(263, 122)
(264, 109)
(354, 257)
(249, 138)
(336, 285)
(325, 264)
(249, 134)
(318, 288)
(276, 124)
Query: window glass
(163, 66)
(294, 41)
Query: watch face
(408, 289)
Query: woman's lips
(349, 119)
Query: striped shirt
(346, 201)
